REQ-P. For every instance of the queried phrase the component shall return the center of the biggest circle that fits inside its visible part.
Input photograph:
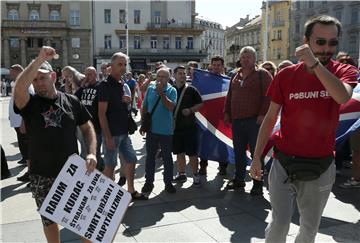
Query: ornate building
(64, 25)
(158, 31)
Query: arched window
(34, 15)
(13, 14)
(54, 15)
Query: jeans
(152, 145)
(245, 132)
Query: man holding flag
(309, 95)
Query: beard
(324, 57)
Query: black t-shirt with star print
(51, 127)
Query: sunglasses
(322, 42)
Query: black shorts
(40, 187)
(185, 141)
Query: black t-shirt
(112, 91)
(51, 127)
(191, 97)
(89, 98)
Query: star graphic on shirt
(52, 117)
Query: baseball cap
(45, 67)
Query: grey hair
(119, 55)
(75, 74)
(165, 69)
(248, 49)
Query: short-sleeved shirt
(309, 115)
(112, 91)
(191, 97)
(131, 83)
(89, 98)
(162, 118)
(51, 127)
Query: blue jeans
(124, 146)
(244, 132)
(152, 145)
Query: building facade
(64, 25)
(157, 31)
(347, 12)
(244, 33)
(212, 39)
(275, 27)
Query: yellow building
(275, 30)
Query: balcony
(152, 53)
(278, 23)
(175, 27)
(34, 24)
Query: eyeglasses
(322, 42)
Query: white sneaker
(196, 180)
(351, 183)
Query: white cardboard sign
(91, 205)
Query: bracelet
(315, 64)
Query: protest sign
(90, 205)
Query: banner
(90, 205)
(215, 139)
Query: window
(298, 4)
(74, 17)
(279, 53)
(157, 18)
(107, 41)
(107, 16)
(297, 27)
(13, 14)
(323, 2)
(75, 42)
(122, 16)
(274, 34)
(122, 42)
(178, 42)
(352, 45)
(136, 16)
(34, 15)
(166, 42)
(153, 42)
(136, 42)
(54, 15)
(190, 42)
(338, 15)
(354, 16)
(30, 42)
(279, 34)
(311, 4)
(14, 42)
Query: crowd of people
(94, 108)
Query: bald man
(88, 95)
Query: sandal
(138, 196)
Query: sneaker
(22, 162)
(24, 178)
(169, 188)
(351, 183)
(202, 170)
(235, 184)
(196, 180)
(257, 188)
(222, 171)
(180, 178)
(122, 181)
(147, 188)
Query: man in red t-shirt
(309, 95)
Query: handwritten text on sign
(91, 205)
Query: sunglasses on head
(322, 42)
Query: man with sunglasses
(309, 95)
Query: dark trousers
(204, 163)
(152, 144)
(23, 142)
(4, 166)
(244, 132)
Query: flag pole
(127, 32)
(265, 40)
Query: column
(64, 52)
(23, 51)
(6, 52)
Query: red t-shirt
(309, 116)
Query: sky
(227, 12)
